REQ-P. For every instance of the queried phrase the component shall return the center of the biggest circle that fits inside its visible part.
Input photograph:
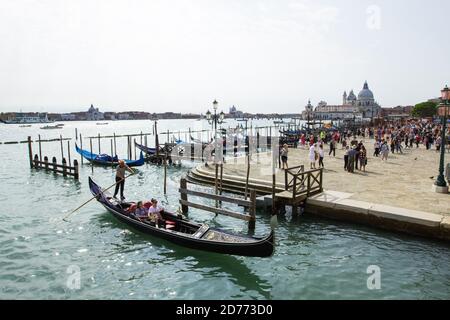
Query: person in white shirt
(321, 155)
(154, 213)
(312, 156)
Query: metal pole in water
(99, 151)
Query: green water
(314, 259)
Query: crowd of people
(391, 138)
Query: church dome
(366, 93)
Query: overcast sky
(180, 55)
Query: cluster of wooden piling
(65, 168)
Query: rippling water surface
(314, 259)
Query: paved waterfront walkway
(405, 180)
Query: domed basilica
(363, 106)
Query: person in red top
(311, 140)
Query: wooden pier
(65, 168)
(249, 204)
(298, 187)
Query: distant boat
(58, 126)
(101, 123)
(25, 126)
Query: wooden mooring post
(92, 163)
(183, 196)
(81, 146)
(112, 153)
(64, 168)
(30, 152)
(68, 151)
(62, 148)
(40, 150)
(99, 147)
(115, 145)
(165, 174)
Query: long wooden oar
(96, 196)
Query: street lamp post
(443, 110)
(214, 119)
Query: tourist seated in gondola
(154, 214)
(141, 212)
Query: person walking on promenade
(321, 155)
(312, 156)
(363, 158)
(351, 160)
(120, 178)
(417, 140)
(284, 156)
(398, 144)
(344, 143)
(347, 149)
(357, 149)
(303, 140)
(438, 144)
(384, 150)
(376, 147)
(322, 135)
(311, 140)
(332, 148)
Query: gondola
(107, 160)
(186, 233)
(200, 141)
(146, 150)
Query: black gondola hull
(258, 247)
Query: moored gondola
(146, 150)
(107, 160)
(187, 233)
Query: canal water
(314, 258)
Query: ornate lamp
(443, 111)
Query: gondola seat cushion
(132, 208)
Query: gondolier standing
(120, 178)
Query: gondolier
(120, 178)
